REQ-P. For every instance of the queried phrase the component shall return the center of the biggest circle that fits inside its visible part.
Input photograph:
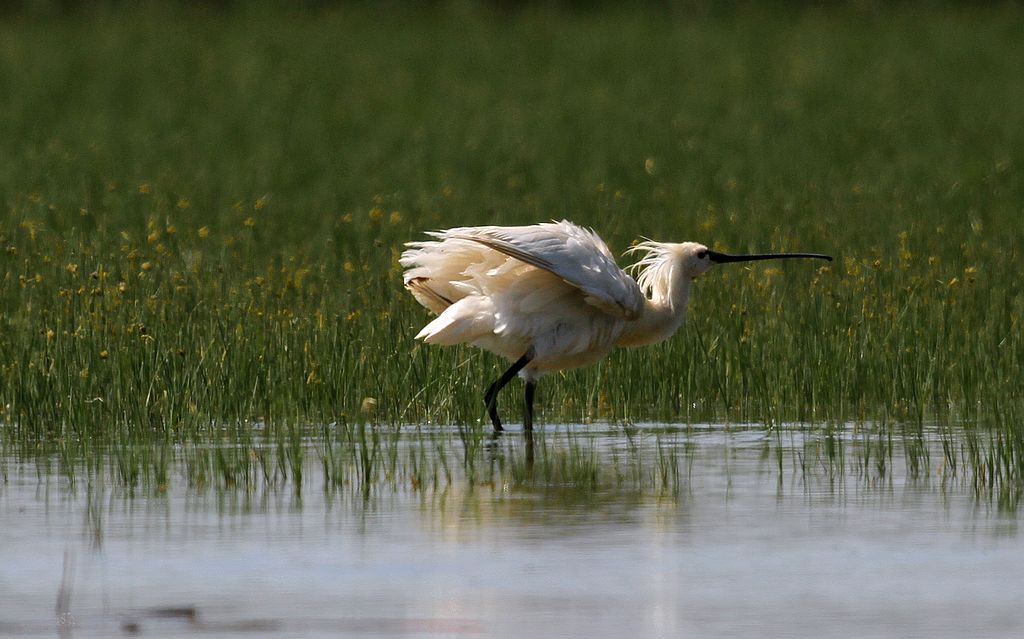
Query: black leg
(531, 386)
(491, 396)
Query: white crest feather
(653, 271)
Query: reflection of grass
(202, 217)
(364, 463)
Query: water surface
(759, 534)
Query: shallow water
(757, 538)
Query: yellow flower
(72, 268)
(649, 166)
(145, 188)
(376, 213)
(147, 266)
(30, 226)
(104, 354)
(395, 217)
(852, 266)
(204, 231)
(250, 222)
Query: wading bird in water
(550, 296)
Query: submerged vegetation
(202, 214)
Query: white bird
(550, 296)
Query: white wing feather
(575, 254)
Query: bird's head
(695, 259)
(666, 262)
(665, 265)
(692, 259)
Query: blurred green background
(203, 204)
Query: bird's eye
(702, 255)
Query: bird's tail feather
(461, 322)
(427, 296)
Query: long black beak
(722, 258)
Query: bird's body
(486, 297)
(550, 296)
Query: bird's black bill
(723, 258)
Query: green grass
(202, 214)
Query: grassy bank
(202, 213)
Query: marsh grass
(202, 214)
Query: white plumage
(550, 296)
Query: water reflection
(595, 531)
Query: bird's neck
(661, 317)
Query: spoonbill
(550, 296)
